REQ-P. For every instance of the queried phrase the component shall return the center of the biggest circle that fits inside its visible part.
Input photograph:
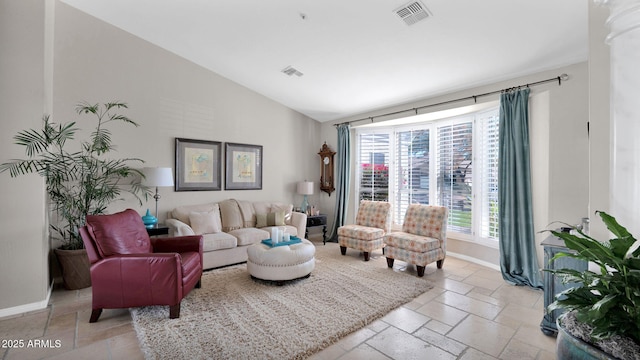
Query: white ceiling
(357, 55)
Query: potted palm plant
(80, 181)
(603, 310)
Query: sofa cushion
(182, 212)
(360, 232)
(248, 236)
(412, 242)
(247, 212)
(218, 241)
(230, 215)
(262, 207)
(205, 222)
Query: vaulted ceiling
(346, 57)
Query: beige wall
(24, 246)
(599, 118)
(171, 97)
(559, 151)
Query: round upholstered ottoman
(281, 263)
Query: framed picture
(198, 165)
(243, 164)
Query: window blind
(488, 146)
(455, 160)
(374, 166)
(411, 171)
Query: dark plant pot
(75, 268)
(569, 347)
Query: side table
(315, 221)
(552, 285)
(158, 229)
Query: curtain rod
(559, 79)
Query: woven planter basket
(75, 268)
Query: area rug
(235, 317)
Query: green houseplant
(80, 179)
(604, 307)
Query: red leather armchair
(128, 269)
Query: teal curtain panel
(518, 260)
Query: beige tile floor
(471, 313)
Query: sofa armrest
(299, 220)
(178, 228)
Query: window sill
(493, 244)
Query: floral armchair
(373, 221)
(423, 237)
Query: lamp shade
(305, 187)
(157, 176)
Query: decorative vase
(149, 220)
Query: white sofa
(230, 226)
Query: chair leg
(420, 270)
(95, 314)
(439, 263)
(199, 283)
(390, 262)
(174, 311)
(343, 250)
(366, 256)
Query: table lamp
(305, 188)
(157, 176)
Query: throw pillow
(261, 220)
(270, 219)
(182, 212)
(275, 218)
(286, 208)
(204, 222)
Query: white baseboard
(474, 260)
(39, 305)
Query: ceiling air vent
(289, 70)
(413, 12)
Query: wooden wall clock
(326, 169)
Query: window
(450, 162)
(373, 160)
(488, 147)
(454, 160)
(411, 171)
